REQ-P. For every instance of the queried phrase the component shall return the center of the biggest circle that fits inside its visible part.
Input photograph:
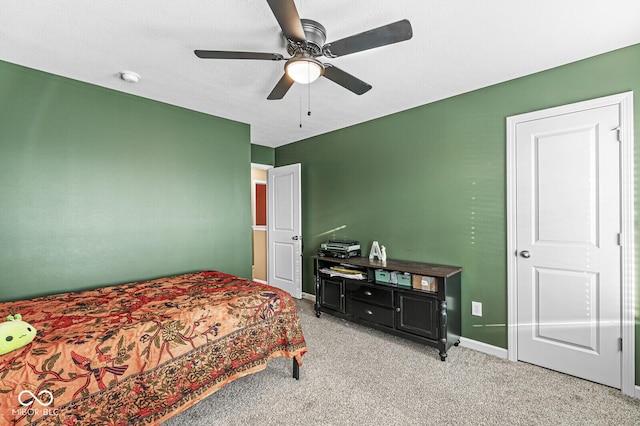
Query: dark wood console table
(430, 315)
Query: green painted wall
(98, 187)
(429, 183)
(263, 155)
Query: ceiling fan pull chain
(301, 111)
(309, 95)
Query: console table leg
(443, 330)
(318, 301)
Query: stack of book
(344, 272)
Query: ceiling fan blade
(345, 80)
(221, 54)
(281, 88)
(287, 15)
(381, 36)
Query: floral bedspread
(142, 352)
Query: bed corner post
(296, 369)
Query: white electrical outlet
(476, 309)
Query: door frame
(625, 101)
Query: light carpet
(353, 375)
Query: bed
(142, 352)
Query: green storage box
(404, 279)
(383, 276)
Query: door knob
(525, 254)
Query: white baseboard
(309, 296)
(637, 392)
(483, 347)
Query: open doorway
(259, 221)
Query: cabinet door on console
(332, 294)
(417, 314)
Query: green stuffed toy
(15, 334)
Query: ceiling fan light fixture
(304, 70)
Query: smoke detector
(130, 76)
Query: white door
(568, 243)
(284, 229)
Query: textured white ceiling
(457, 46)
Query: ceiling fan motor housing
(315, 37)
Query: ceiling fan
(305, 42)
